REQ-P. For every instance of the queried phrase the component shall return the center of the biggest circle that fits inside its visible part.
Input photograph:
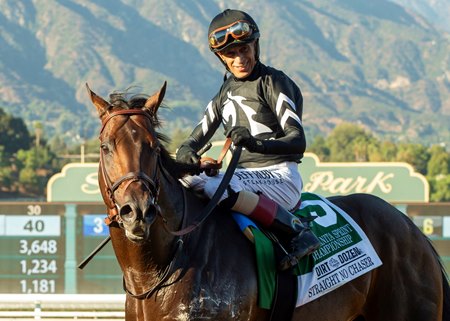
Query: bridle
(151, 184)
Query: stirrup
(307, 220)
(288, 262)
(291, 260)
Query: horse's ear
(101, 104)
(155, 101)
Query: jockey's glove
(187, 155)
(241, 137)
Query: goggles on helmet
(238, 30)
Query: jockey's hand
(241, 137)
(187, 155)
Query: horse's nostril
(150, 213)
(130, 213)
(126, 213)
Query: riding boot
(285, 225)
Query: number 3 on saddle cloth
(345, 252)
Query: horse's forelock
(127, 100)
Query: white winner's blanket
(345, 252)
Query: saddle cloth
(345, 252)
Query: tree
(361, 148)
(36, 158)
(35, 167)
(438, 170)
(439, 163)
(29, 180)
(57, 145)
(38, 131)
(388, 151)
(414, 154)
(177, 138)
(14, 134)
(440, 188)
(348, 142)
(3, 157)
(320, 148)
(6, 178)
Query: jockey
(261, 110)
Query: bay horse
(210, 273)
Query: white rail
(62, 307)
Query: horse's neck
(142, 264)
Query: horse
(208, 273)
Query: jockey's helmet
(231, 27)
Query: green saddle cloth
(331, 226)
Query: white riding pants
(282, 183)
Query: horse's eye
(104, 147)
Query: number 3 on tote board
(94, 225)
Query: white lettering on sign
(340, 185)
(91, 185)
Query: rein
(167, 273)
(217, 195)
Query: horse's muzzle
(137, 219)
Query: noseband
(151, 184)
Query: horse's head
(129, 157)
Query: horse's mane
(128, 100)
